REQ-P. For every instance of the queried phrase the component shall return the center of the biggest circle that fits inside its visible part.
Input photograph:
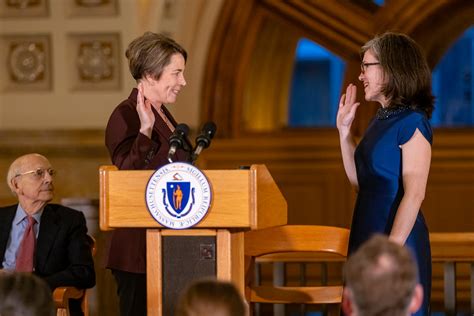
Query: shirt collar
(21, 214)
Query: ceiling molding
(341, 27)
(241, 42)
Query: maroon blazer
(131, 150)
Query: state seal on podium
(178, 195)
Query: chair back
(294, 243)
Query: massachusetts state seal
(178, 195)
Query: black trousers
(131, 290)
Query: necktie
(26, 251)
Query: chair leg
(333, 309)
(279, 280)
(450, 288)
(62, 312)
(85, 304)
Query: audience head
(406, 71)
(211, 298)
(24, 294)
(30, 178)
(149, 54)
(381, 279)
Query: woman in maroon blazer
(137, 138)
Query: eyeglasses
(39, 173)
(364, 66)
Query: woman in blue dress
(390, 165)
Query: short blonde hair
(150, 53)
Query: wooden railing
(453, 281)
(453, 250)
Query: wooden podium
(242, 200)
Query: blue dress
(378, 160)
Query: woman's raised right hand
(145, 113)
(347, 109)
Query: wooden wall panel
(308, 169)
(318, 195)
(449, 202)
(75, 154)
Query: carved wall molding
(234, 38)
(94, 61)
(28, 61)
(80, 8)
(23, 8)
(340, 26)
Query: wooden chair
(453, 289)
(62, 295)
(293, 243)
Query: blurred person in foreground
(211, 298)
(24, 294)
(49, 240)
(137, 139)
(389, 167)
(381, 279)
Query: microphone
(176, 139)
(204, 139)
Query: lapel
(6, 218)
(166, 132)
(160, 125)
(49, 228)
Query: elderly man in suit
(49, 240)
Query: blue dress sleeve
(409, 125)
